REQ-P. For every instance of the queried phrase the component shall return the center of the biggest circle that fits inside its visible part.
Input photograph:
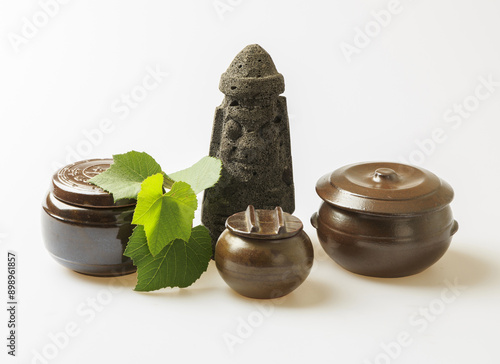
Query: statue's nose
(250, 147)
(249, 155)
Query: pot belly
(382, 246)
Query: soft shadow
(204, 284)
(469, 269)
(310, 294)
(207, 284)
(179, 293)
(128, 280)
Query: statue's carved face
(250, 142)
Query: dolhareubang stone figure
(251, 136)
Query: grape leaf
(165, 217)
(123, 179)
(179, 264)
(202, 175)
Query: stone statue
(251, 136)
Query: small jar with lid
(263, 253)
(384, 219)
(83, 228)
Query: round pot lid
(384, 188)
(264, 224)
(70, 184)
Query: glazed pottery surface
(264, 253)
(384, 219)
(82, 227)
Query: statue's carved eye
(233, 130)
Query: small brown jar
(83, 228)
(263, 253)
(384, 219)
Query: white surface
(66, 78)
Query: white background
(393, 94)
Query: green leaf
(202, 175)
(123, 179)
(165, 217)
(179, 264)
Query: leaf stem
(167, 181)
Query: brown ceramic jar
(263, 253)
(83, 228)
(384, 219)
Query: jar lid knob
(264, 224)
(385, 174)
(253, 223)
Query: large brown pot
(384, 219)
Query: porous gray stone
(251, 135)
